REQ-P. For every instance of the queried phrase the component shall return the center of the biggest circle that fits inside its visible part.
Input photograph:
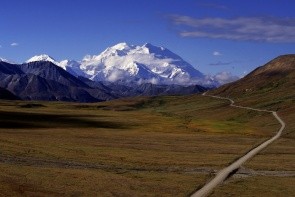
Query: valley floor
(162, 146)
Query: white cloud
(14, 44)
(260, 29)
(116, 75)
(216, 53)
(225, 77)
(152, 81)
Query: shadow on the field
(18, 120)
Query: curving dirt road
(225, 172)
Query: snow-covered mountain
(147, 63)
(42, 58)
(5, 60)
(71, 66)
(129, 64)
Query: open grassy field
(257, 186)
(270, 87)
(280, 156)
(161, 146)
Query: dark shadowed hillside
(46, 81)
(43, 80)
(6, 95)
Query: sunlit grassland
(56, 181)
(257, 186)
(140, 146)
(279, 156)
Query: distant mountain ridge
(42, 58)
(119, 71)
(145, 63)
(46, 81)
(134, 64)
(43, 80)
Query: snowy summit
(3, 60)
(43, 57)
(143, 64)
(133, 64)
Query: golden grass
(282, 100)
(47, 181)
(140, 146)
(257, 186)
(279, 156)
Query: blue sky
(214, 36)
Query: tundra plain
(145, 146)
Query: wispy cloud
(219, 63)
(216, 53)
(14, 44)
(0, 46)
(261, 29)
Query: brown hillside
(271, 87)
(277, 75)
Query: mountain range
(127, 64)
(43, 80)
(120, 71)
(127, 71)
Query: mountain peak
(6, 61)
(147, 44)
(42, 57)
(3, 60)
(133, 63)
(120, 46)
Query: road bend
(226, 172)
